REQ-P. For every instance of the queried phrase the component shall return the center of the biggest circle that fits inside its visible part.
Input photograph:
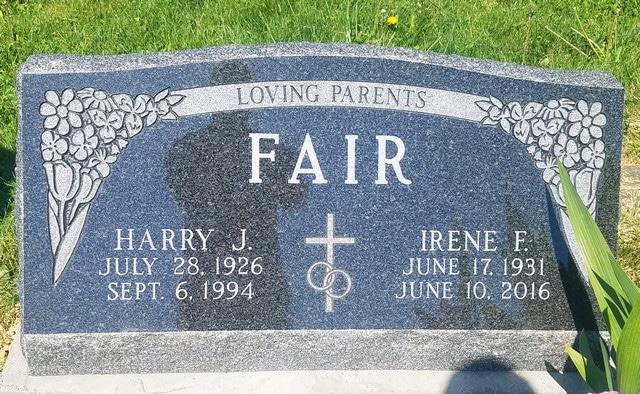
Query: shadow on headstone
(487, 375)
(208, 173)
(7, 177)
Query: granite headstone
(306, 206)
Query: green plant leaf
(628, 358)
(586, 365)
(578, 360)
(613, 289)
(607, 365)
(628, 285)
(614, 328)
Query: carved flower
(545, 132)
(108, 124)
(521, 117)
(134, 110)
(494, 110)
(587, 121)
(63, 179)
(158, 109)
(557, 109)
(102, 162)
(162, 107)
(566, 149)
(118, 145)
(52, 146)
(83, 142)
(550, 172)
(495, 113)
(535, 152)
(61, 112)
(93, 98)
(89, 184)
(594, 154)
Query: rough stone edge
(18, 201)
(270, 350)
(56, 64)
(14, 379)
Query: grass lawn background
(600, 34)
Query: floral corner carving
(560, 129)
(84, 134)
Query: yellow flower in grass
(392, 20)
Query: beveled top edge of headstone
(65, 63)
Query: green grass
(629, 241)
(631, 151)
(548, 33)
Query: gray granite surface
(306, 207)
(60, 63)
(180, 352)
(14, 379)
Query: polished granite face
(304, 187)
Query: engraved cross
(330, 241)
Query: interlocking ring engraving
(330, 241)
(328, 280)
